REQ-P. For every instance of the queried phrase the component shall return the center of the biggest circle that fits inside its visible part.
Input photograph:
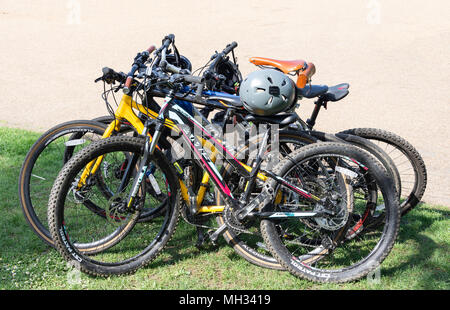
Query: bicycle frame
(182, 122)
(187, 125)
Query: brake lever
(214, 55)
(142, 72)
(175, 79)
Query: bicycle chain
(186, 216)
(233, 223)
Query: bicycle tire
(417, 163)
(100, 265)
(301, 266)
(35, 218)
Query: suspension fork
(149, 147)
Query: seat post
(318, 105)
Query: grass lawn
(419, 260)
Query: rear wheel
(410, 165)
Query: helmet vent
(260, 90)
(270, 79)
(274, 90)
(283, 83)
(270, 101)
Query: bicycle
(216, 100)
(128, 205)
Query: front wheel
(317, 248)
(115, 243)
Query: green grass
(419, 260)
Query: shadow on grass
(19, 243)
(182, 246)
(416, 228)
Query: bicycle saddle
(336, 93)
(281, 119)
(312, 91)
(284, 65)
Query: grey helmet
(267, 92)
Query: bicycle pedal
(214, 234)
(212, 240)
(201, 237)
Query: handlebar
(229, 47)
(186, 78)
(166, 42)
(218, 56)
(139, 62)
(210, 74)
(110, 76)
(161, 52)
(179, 75)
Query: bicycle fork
(149, 148)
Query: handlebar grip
(230, 47)
(110, 76)
(187, 78)
(128, 82)
(171, 68)
(107, 70)
(151, 49)
(167, 40)
(306, 75)
(193, 79)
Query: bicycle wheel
(43, 162)
(412, 170)
(97, 244)
(317, 248)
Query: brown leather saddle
(304, 70)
